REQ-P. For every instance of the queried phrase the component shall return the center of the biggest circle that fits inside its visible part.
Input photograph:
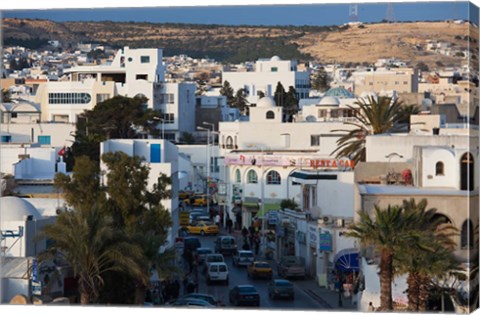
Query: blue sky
(298, 14)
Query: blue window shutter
(155, 153)
(44, 140)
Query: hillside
(354, 44)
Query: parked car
(243, 258)
(203, 228)
(204, 218)
(202, 252)
(211, 258)
(190, 302)
(280, 288)
(292, 266)
(201, 296)
(217, 271)
(244, 295)
(260, 269)
(226, 245)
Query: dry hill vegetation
(354, 44)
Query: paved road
(305, 299)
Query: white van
(217, 271)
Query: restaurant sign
(290, 160)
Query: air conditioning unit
(325, 220)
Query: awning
(267, 208)
(347, 260)
(308, 177)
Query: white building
(133, 72)
(20, 245)
(161, 157)
(265, 77)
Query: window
(270, 115)
(315, 140)
(466, 237)
(252, 177)
(44, 140)
(69, 98)
(229, 142)
(168, 118)
(322, 113)
(439, 169)
(14, 115)
(145, 59)
(273, 69)
(238, 178)
(334, 113)
(167, 98)
(141, 77)
(273, 178)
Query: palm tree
(431, 258)
(92, 246)
(374, 116)
(388, 234)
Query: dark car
(201, 296)
(191, 302)
(292, 266)
(244, 295)
(226, 245)
(280, 288)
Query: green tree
(374, 116)
(290, 107)
(187, 138)
(433, 257)
(85, 236)
(138, 211)
(279, 95)
(6, 98)
(240, 101)
(117, 118)
(405, 112)
(422, 66)
(228, 92)
(388, 233)
(321, 81)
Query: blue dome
(339, 92)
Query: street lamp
(207, 165)
(213, 129)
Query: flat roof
(377, 189)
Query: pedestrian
(244, 232)
(190, 287)
(257, 244)
(340, 293)
(371, 308)
(217, 220)
(229, 225)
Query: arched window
(270, 115)
(466, 172)
(252, 177)
(229, 142)
(273, 178)
(238, 177)
(439, 169)
(466, 236)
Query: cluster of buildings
(251, 164)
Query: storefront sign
(222, 189)
(184, 218)
(325, 242)
(273, 217)
(290, 160)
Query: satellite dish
(311, 118)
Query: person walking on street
(229, 224)
(217, 220)
(340, 293)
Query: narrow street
(308, 296)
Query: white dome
(266, 102)
(275, 58)
(329, 100)
(16, 209)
